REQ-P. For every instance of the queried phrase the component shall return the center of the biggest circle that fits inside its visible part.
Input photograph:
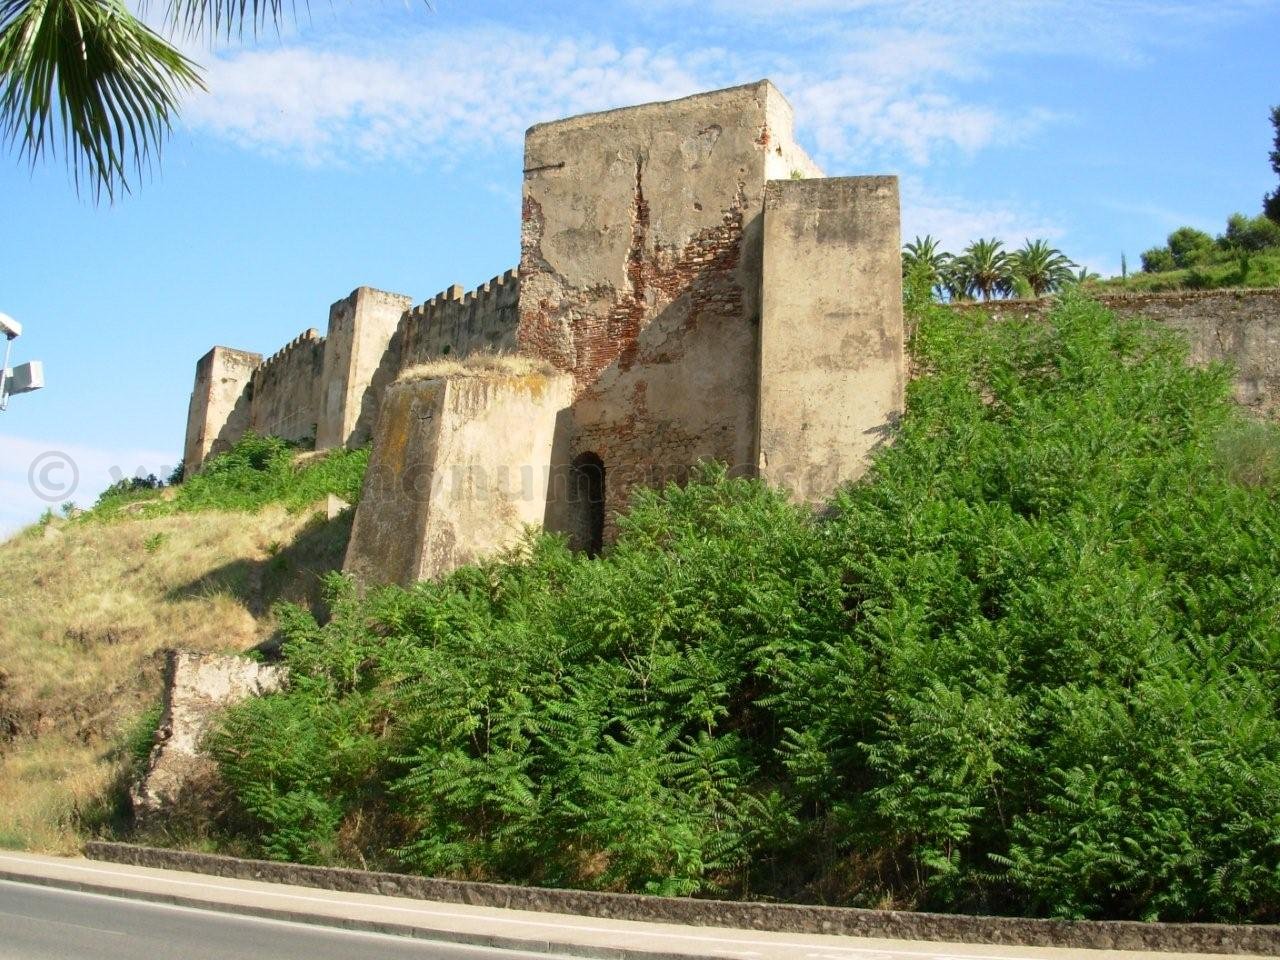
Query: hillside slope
(87, 608)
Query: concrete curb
(780, 918)
(493, 941)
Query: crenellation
(284, 391)
(455, 323)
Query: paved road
(226, 918)
(39, 923)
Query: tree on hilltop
(89, 80)
(1044, 268)
(985, 269)
(924, 259)
(1271, 202)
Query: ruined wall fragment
(198, 686)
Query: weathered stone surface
(1261, 940)
(640, 276)
(460, 466)
(831, 345)
(219, 410)
(457, 324)
(1239, 327)
(355, 368)
(197, 687)
(284, 393)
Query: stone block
(198, 686)
(460, 466)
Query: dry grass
(506, 365)
(86, 611)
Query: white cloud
(887, 80)
(453, 94)
(956, 222)
(457, 94)
(1117, 29)
(36, 475)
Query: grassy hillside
(87, 607)
(1031, 665)
(1262, 269)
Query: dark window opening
(587, 494)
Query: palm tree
(88, 79)
(1044, 268)
(1084, 275)
(923, 258)
(985, 269)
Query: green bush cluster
(255, 472)
(1031, 665)
(1193, 250)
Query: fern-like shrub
(1029, 665)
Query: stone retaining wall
(1239, 327)
(783, 918)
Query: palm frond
(87, 79)
(226, 18)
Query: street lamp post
(23, 379)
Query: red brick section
(700, 279)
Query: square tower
(640, 276)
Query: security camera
(10, 327)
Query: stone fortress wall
(284, 392)
(690, 288)
(457, 324)
(1238, 327)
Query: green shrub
(1250, 234)
(1158, 260)
(1029, 665)
(255, 472)
(1190, 247)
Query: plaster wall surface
(1239, 327)
(640, 275)
(285, 392)
(831, 339)
(457, 324)
(361, 357)
(219, 410)
(460, 465)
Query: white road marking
(861, 952)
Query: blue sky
(380, 143)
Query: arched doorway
(586, 492)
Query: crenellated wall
(455, 324)
(285, 390)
